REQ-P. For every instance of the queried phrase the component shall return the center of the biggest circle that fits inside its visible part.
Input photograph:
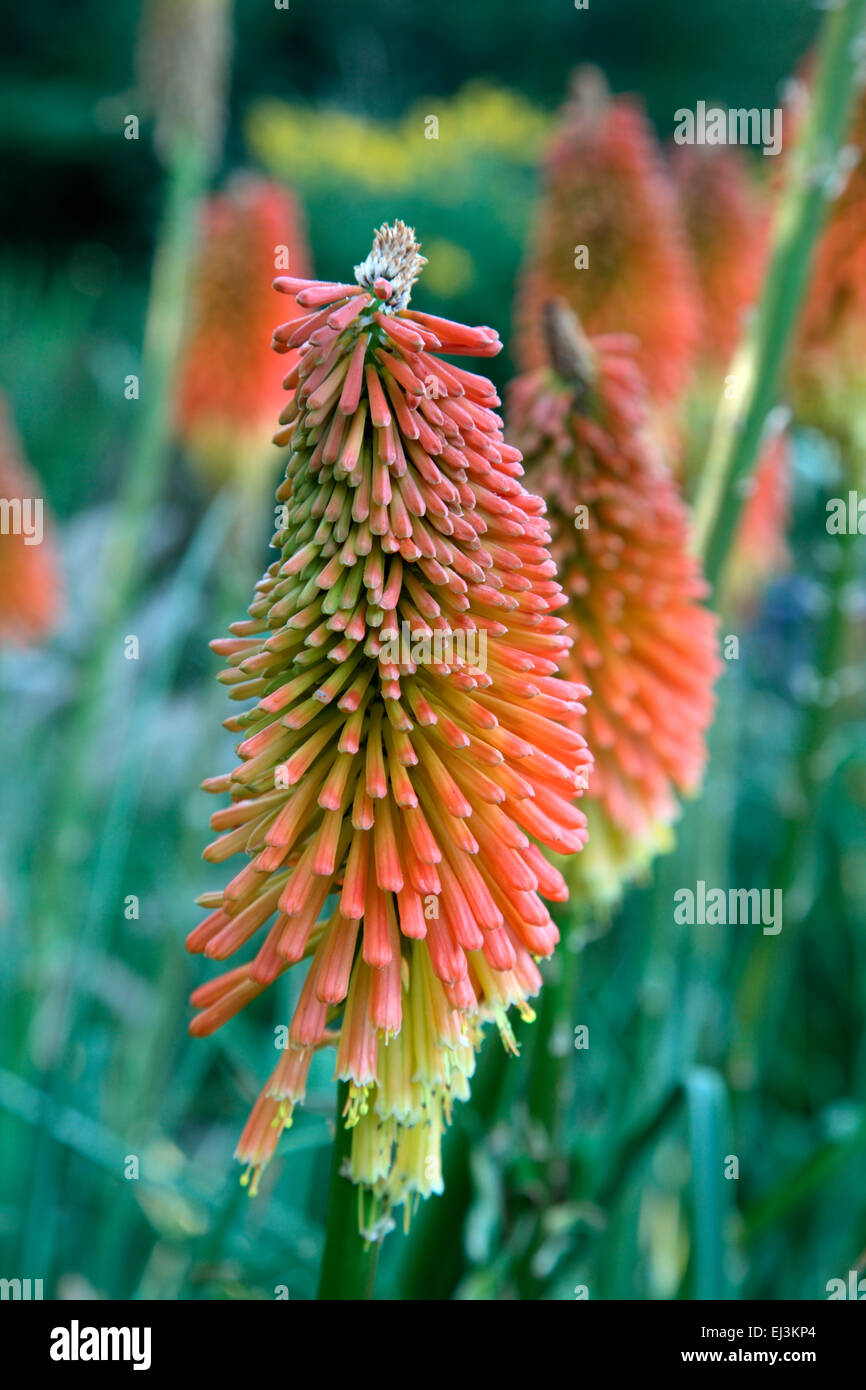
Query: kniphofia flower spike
(607, 195)
(392, 802)
(642, 638)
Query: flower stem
(120, 565)
(811, 181)
(125, 545)
(142, 480)
(348, 1263)
(552, 1070)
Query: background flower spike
(641, 636)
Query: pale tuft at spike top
(392, 809)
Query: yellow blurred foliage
(436, 137)
(450, 268)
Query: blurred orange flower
(642, 639)
(606, 189)
(230, 387)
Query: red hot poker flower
(642, 638)
(231, 383)
(606, 189)
(411, 744)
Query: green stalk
(432, 1258)
(163, 339)
(711, 1190)
(348, 1263)
(553, 1063)
(121, 560)
(70, 1004)
(739, 426)
(142, 481)
(120, 571)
